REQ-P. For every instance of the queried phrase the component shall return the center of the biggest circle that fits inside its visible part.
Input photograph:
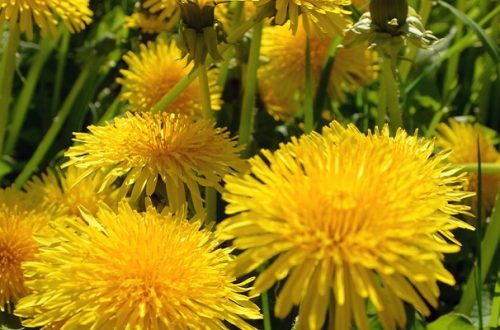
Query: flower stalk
(308, 92)
(210, 193)
(7, 68)
(246, 117)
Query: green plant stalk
(405, 66)
(479, 230)
(61, 63)
(391, 93)
(7, 69)
(309, 124)
(111, 111)
(54, 128)
(452, 67)
(495, 305)
(488, 248)
(21, 108)
(382, 103)
(264, 298)
(182, 84)
(436, 119)
(246, 117)
(210, 193)
(486, 168)
(324, 79)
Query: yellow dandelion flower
(327, 16)
(154, 71)
(131, 270)
(462, 139)
(348, 216)
(225, 15)
(164, 8)
(143, 147)
(149, 23)
(283, 75)
(75, 14)
(66, 192)
(18, 223)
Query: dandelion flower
(148, 23)
(66, 192)
(284, 77)
(157, 69)
(18, 223)
(348, 216)
(462, 139)
(131, 270)
(75, 14)
(143, 147)
(328, 16)
(164, 8)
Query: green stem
(495, 305)
(405, 67)
(308, 92)
(246, 118)
(264, 298)
(111, 111)
(182, 84)
(389, 91)
(61, 63)
(489, 246)
(204, 92)
(54, 129)
(450, 80)
(479, 233)
(7, 68)
(24, 99)
(486, 168)
(210, 193)
(382, 103)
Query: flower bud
(389, 15)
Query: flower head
(349, 215)
(154, 71)
(18, 223)
(463, 139)
(144, 148)
(75, 14)
(149, 23)
(131, 270)
(327, 16)
(67, 192)
(282, 78)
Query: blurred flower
(68, 191)
(157, 69)
(327, 16)
(149, 23)
(131, 270)
(164, 8)
(18, 223)
(282, 78)
(462, 139)
(359, 216)
(143, 147)
(225, 15)
(75, 14)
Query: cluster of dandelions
(116, 239)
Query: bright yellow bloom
(149, 23)
(154, 71)
(165, 8)
(67, 192)
(462, 139)
(327, 16)
(283, 76)
(131, 270)
(18, 223)
(75, 14)
(169, 147)
(347, 215)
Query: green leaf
(451, 321)
(5, 168)
(490, 46)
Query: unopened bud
(389, 15)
